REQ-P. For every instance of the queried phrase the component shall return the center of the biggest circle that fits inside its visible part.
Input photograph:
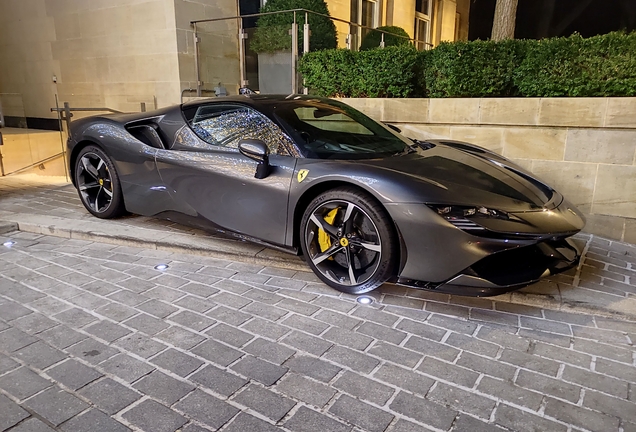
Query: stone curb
(247, 252)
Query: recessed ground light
(365, 300)
(8, 243)
(161, 267)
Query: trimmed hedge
(602, 65)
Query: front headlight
(467, 218)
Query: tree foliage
(374, 37)
(273, 31)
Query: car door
(209, 178)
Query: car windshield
(333, 130)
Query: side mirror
(256, 150)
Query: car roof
(255, 99)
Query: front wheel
(348, 240)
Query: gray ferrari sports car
(362, 203)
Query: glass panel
(219, 63)
(368, 15)
(422, 6)
(421, 33)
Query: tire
(98, 184)
(349, 240)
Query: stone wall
(584, 147)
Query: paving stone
(600, 335)
(259, 370)
(14, 339)
(364, 388)
(406, 426)
(603, 350)
(116, 312)
(551, 338)
(270, 351)
(141, 345)
(431, 348)
(128, 298)
(93, 421)
(348, 338)
(160, 386)
(420, 329)
(73, 374)
(529, 361)
(609, 405)
(266, 311)
(147, 324)
(230, 335)
(265, 402)
(7, 364)
(563, 355)
(466, 423)
(10, 311)
(39, 355)
(10, 413)
(107, 331)
(152, 416)
(546, 325)
(157, 308)
(486, 365)
(307, 343)
(305, 324)
(375, 316)
(510, 392)
(180, 337)
(595, 381)
(217, 352)
(245, 422)
(405, 379)
(550, 386)
(126, 367)
(33, 323)
(231, 300)
(449, 372)
(495, 335)
(351, 359)
(312, 367)
(192, 320)
(424, 411)
(395, 354)
(521, 421)
(61, 336)
(22, 383)
(206, 409)
(306, 390)
(88, 301)
(473, 345)
(92, 351)
(462, 400)
(31, 425)
(56, 405)
(265, 328)
(307, 420)
(590, 420)
(75, 317)
(109, 396)
(48, 305)
(177, 362)
(616, 370)
(228, 316)
(361, 414)
(218, 380)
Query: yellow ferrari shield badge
(302, 174)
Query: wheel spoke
(348, 219)
(90, 169)
(352, 275)
(329, 229)
(366, 245)
(109, 193)
(326, 254)
(88, 186)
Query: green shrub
(272, 31)
(374, 37)
(470, 69)
(388, 72)
(598, 66)
(602, 65)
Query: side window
(225, 125)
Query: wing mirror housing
(258, 151)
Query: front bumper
(508, 270)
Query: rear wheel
(348, 240)
(98, 184)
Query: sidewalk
(604, 284)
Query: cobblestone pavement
(93, 338)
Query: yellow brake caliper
(323, 238)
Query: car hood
(461, 174)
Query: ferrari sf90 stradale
(362, 203)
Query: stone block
(370, 106)
(510, 111)
(601, 146)
(365, 416)
(572, 112)
(534, 143)
(56, 405)
(491, 138)
(616, 190)
(109, 396)
(576, 181)
(621, 112)
(611, 227)
(405, 110)
(265, 402)
(425, 132)
(151, 415)
(306, 390)
(454, 110)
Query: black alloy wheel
(98, 184)
(348, 240)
